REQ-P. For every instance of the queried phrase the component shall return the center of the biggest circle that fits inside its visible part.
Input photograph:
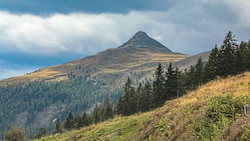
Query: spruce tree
(127, 104)
(158, 87)
(130, 98)
(198, 72)
(241, 57)
(69, 123)
(95, 116)
(171, 83)
(248, 56)
(85, 120)
(140, 102)
(78, 122)
(120, 107)
(226, 56)
(212, 65)
(190, 78)
(108, 110)
(147, 99)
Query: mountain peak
(140, 34)
(142, 40)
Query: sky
(39, 33)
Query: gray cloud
(189, 27)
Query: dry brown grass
(120, 63)
(174, 121)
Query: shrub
(221, 112)
(15, 134)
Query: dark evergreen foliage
(211, 68)
(171, 87)
(226, 56)
(165, 87)
(229, 59)
(73, 95)
(69, 123)
(127, 104)
(158, 87)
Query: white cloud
(186, 27)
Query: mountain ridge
(140, 49)
(142, 40)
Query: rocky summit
(142, 40)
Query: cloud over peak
(68, 29)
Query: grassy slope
(108, 62)
(174, 121)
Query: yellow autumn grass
(163, 57)
(58, 73)
(173, 121)
(235, 86)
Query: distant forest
(170, 83)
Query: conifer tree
(127, 104)
(190, 78)
(78, 122)
(108, 110)
(198, 72)
(85, 119)
(147, 99)
(248, 56)
(212, 65)
(69, 123)
(95, 116)
(241, 57)
(171, 83)
(120, 107)
(158, 87)
(140, 95)
(131, 98)
(226, 56)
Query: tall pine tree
(127, 104)
(226, 56)
(158, 87)
(241, 57)
(107, 110)
(69, 123)
(171, 83)
(212, 65)
(198, 72)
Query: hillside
(77, 85)
(139, 52)
(212, 112)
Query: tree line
(229, 59)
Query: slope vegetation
(212, 112)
